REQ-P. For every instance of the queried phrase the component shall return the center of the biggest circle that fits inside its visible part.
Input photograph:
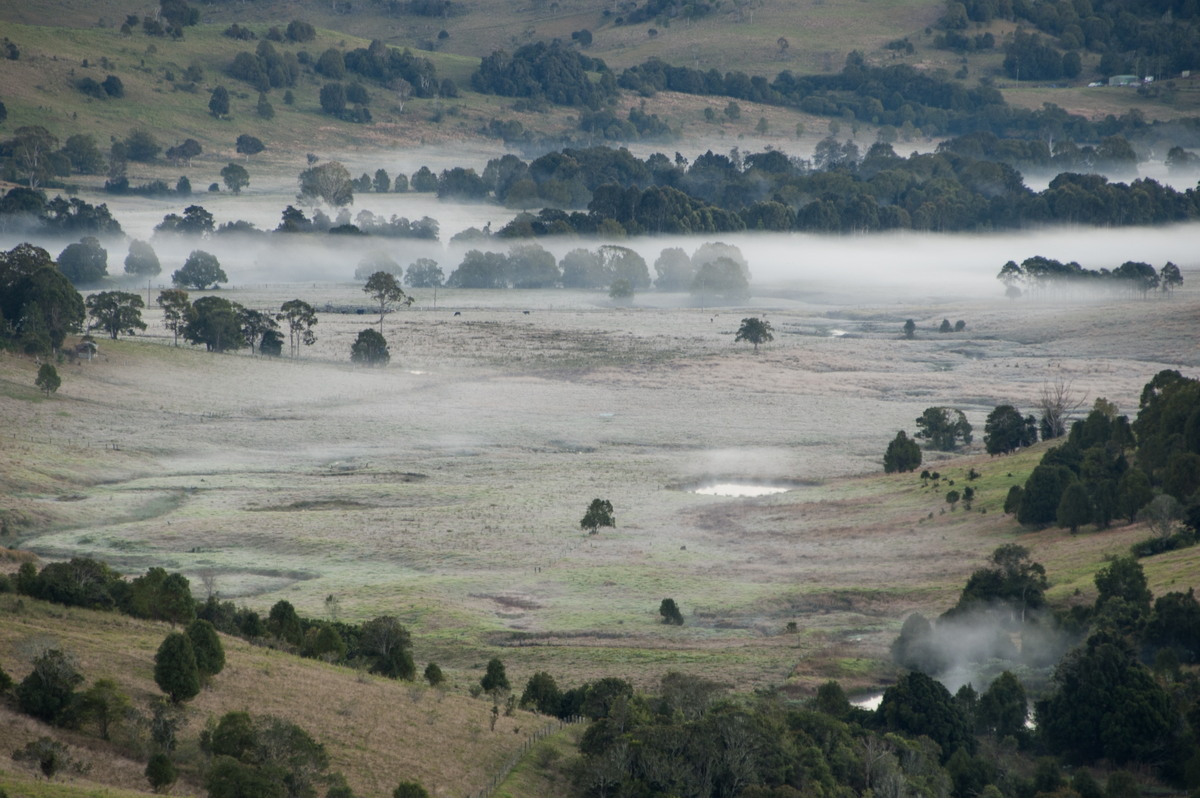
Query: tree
(105, 704)
(670, 612)
(284, 623)
(1074, 508)
(1057, 404)
(84, 263)
(214, 322)
(249, 145)
(1005, 431)
(599, 513)
(943, 427)
(236, 177)
(370, 348)
(433, 675)
(333, 99)
(1105, 704)
(32, 153)
(387, 640)
(200, 270)
(85, 157)
(910, 329)
(218, 103)
(142, 260)
(175, 670)
(327, 182)
(495, 680)
(1123, 579)
(1003, 707)
(903, 454)
(1162, 515)
(384, 288)
(301, 318)
(48, 692)
(410, 789)
(47, 380)
(116, 312)
(542, 694)
(255, 325)
(424, 273)
(1042, 493)
(177, 310)
(141, 146)
(755, 330)
(917, 704)
(160, 772)
(38, 302)
(206, 644)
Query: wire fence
(502, 774)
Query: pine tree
(175, 669)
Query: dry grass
(377, 732)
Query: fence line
(502, 774)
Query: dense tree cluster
(1109, 469)
(542, 72)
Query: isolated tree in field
(670, 613)
(236, 177)
(1006, 431)
(175, 670)
(903, 454)
(48, 692)
(85, 262)
(47, 380)
(370, 348)
(944, 427)
(327, 182)
(177, 310)
(910, 329)
(410, 789)
(200, 270)
(599, 513)
(384, 288)
(218, 103)
(116, 312)
(206, 644)
(952, 498)
(142, 260)
(433, 675)
(301, 318)
(755, 330)
(249, 145)
(495, 679)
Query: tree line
(1038, 274)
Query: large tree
(389, 643)
(175, 670)
(206, 644)
(384, 288)
(755, 330)
(370, 348)
(1006, 430)
(200, 270)
(48, 692)
(236, 177)
(214, 322)
(327, 182)
(943, 427)
(177, 310)
(116, 312)
(38, 304)
(1105, 705)
(301, 318)
(599, 513)
(903, 454)
(84, 263)
(142, 261)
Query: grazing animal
(456, 313)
